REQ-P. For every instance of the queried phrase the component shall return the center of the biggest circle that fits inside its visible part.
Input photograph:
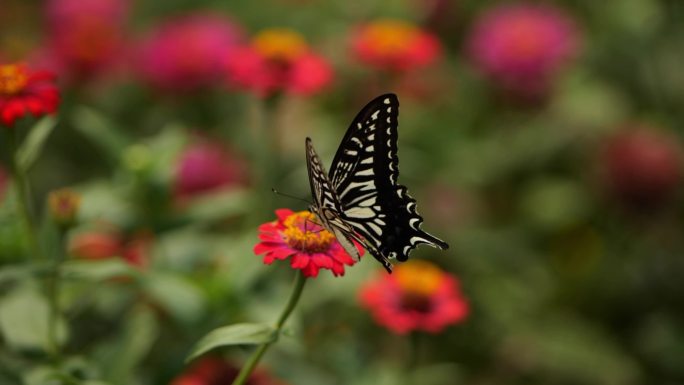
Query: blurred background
(540, 138)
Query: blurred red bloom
(278, 60)
(215, 371)
(187, 53)
(418, 296)
(309, 246)
(642, 167)
(23, 91)
(105, 244)
(395, 45)
(207, 166)
(85, 37)
(522, 46)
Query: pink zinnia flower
(521, 46)
(394, 45)
(418, 296)
(207, 166)
(309, 246)
(84, 37)
(216, 371)
(642, 167)
(278, 60)
(187, 53)
(24, 91)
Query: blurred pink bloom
(207, 166)
(187, 53)
(278, 60)
(642, 167)
(394, 45)
(110, 243)
(84, 37)
(522, 46)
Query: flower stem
(254, 359)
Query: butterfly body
(360, 199)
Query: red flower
(278, 60)
(206, 166)
(215, 371)
(23, 91)
(309, 246)
(105, 244)
(395, 45)
(642, 167)
(418, 296)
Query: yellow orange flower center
(390, 36)
(280, 44)
(419, 278)
(302, 233)
(13, 78)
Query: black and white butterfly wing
(327, 204)
(364, 176)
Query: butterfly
(360, 199)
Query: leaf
(236, 334)
(24, 319)
(29, 151)
(97, 270)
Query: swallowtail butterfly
(360, 199)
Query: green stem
(254, 359)
(23, 193)
(53, 289)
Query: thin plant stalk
(254, 359)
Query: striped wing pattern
(362, 190)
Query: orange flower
(23, 91)
(309, 246)
(278, 60)
(395, 45)
(418, 296)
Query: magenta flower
(206, 166)
(187, 53)
(521, 47)
(308, 246)
(84, 37)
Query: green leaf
(29, 151)
(24, 319)
(236, 334)
(97, 270)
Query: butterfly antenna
(290, 196)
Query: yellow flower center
(303, 233)
(280, 44)
(13, 79)
(419, 278)
(390, 36)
